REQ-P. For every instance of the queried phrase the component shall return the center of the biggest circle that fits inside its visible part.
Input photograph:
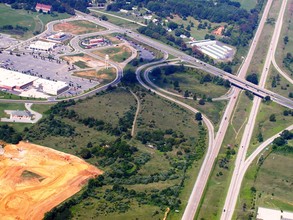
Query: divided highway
(236, 180)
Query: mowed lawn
(26, 19)
(273, 184)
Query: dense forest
(67, 6)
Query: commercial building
(43, 7)
(42, 46)
(273, 214)
(50, 87)
(14, 80)
(20, 115)
(57, 37)
(214, 49)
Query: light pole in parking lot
(107, 61)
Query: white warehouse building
(42, 46)
(214, 49)
(50, 87)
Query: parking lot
(52, 69)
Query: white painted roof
(42, 45)
(13, 78)
(273, 214)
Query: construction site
(37, 179)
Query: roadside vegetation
(285, 46)
(258, 58)
(189, 82)
(267, 182)
(278, 84)
(271, 119)
(218, 184)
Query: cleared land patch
(117, 54)
(83, 61)
(78, 27)
(103, 75)
(37, 179)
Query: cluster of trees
(18, 29)
(49, 126)
(67, 6)
(9, 135)
(157, 31)
(163, 140)
(288, 61)
(253, 78)
(281, 143)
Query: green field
(117, 21)
(277, 83)
(189, 79)
(217, 187)
(117, 54)
(282, 49)
(273, 183)
(114, 104)
(258, 58)
(266, 127)
(247, 4)
(34, 21)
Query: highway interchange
(215, 140)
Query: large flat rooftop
(273, 214)
(13, 79)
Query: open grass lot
(273, 184)
(266, 127)
(109, 107)
(189, 79)
(214, 197)
(41, 108)
(247, 4)
(155, 175)
(117, 54)
(78, 27)
(197, 34)
(30, 20)
(117, 21)
(260, 54)
(287, 30)
(277, 83)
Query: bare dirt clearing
(35, 179)
(84, 61)
(77, 27)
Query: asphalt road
(236, 180)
